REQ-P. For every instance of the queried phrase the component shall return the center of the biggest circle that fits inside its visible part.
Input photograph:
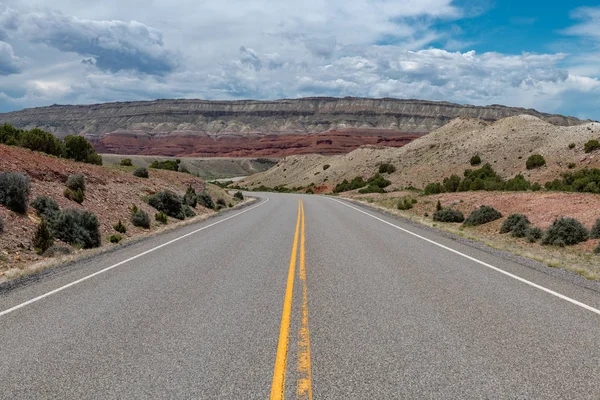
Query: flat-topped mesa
(153, 127)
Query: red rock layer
(332, 142)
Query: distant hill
(252, 128)
(505, 144)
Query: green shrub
(433, 188)
(345, 186)
(169, 165)
(221, 202)
(406, 203)
(126, 162)
(379, 181)
(571, 165)
(326, 167)
(45, 207)
(141, 172)
(512, 221)
(571, 145)
(371, 189)
(119, 227)
(475, 160)
(188, 212)
(206, 201)
(14, 191)
(533, 234)
(591, 145)
(169, 203)
(448, 215)
(239, 195)
(161, 217)
(75, 182)
(565, 232)
(39, 140)
(438, 206)
(79, 149)
(190, 197)
(1, 225)
(535, 161)
(482, 215)
(183, 169)
(10, 135)
(77, 228)
(231, 205)
(597, 249)
(74, 195)
(309, 191)
(140, 218)
(386, 168)
(116, 238)
(584, 180)
(595, 232)
(518, 183)
(536, 187)
(451, 183)
(42, 240)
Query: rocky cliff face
(147, 127)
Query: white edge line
(85, 278)
(535, 285)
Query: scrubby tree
(79, 149)
(535, 161)
(39, 140)
(565, 231)
(42, 240)
(14, 191)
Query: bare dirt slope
(110, 192)
(505, 144)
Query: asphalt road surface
(303, 297)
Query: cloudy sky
(539, 54)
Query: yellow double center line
(304, 383)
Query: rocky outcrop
(183, 127)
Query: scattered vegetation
(406, 203)
(239, 195)
(595, 232)
(475, 160)
(448, 215)
(126, 162)
(119, 227)
(565, 232)
(534, 234)
(170, 165)
(206, 201)
(535, 161)
(345, 186)
(75, 182)
(482, 215)
(516, 224)
(79, 149)
(116, 238)
(73, 147)
(139, 218)
(171, 204)
(14, 191)
(386, 168)
(77, 227)
(141, 172)
(190, 197)
(45, 142)
(584, 180)
(484, 178)
(591, 145)
(161, 217)
(74, 195)
(42, 240)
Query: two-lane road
(302, 296)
